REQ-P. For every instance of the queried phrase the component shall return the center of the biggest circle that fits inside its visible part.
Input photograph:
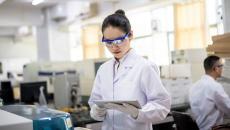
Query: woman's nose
(114, 46)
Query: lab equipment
(86, 69)
(0, 67)
(28, 117)
(7, 94)
(30, 91)
(67, 84)
(1, 102)
(42, 99)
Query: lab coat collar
(125, 61)
(206, 76)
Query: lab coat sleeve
(222, 100)
(96, 91)
(96, 95)
(158, 99)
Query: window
(155, 38)
(190, 29)
(76, 49)
(141, 24)
(214, 18)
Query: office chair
(166, 124)
(222, 127)
(7, 94)
(184, 121)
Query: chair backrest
(184, 121)
(222, 127)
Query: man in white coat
(208, 100)
(127, 76)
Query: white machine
(67, 89)
(62, 80)
(87, 70)
(71, 80)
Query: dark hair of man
(118, 19)
(210, 62)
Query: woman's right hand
(97, 112)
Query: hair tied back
(120, 12)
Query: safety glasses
(220, 66)
(118, 41)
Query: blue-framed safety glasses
(116, 41)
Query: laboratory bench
(83, 119)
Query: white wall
(18, 48)
(226, 10)
(15, 53)
(19, 16)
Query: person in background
(208, 100)
(127, 76)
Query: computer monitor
(0, 67)
(97, 66)
(7, 93)
(30, 91)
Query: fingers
(97, 108)
(99, 111)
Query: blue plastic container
(43, 118)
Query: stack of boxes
(220, 46)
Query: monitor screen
(0, 67)
(6, 92)
(97, 66)
(30, 91)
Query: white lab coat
(208, 102)
(137, 79)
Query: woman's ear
(214, 68)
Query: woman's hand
(97, 113)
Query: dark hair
(118, 19)
(209, 62)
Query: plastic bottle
(42, 99)
(1, 102)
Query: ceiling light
(36, 2)
(1, 1)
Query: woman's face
(118, 51)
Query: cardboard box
(221, 38)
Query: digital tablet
(101, 103)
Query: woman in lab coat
(127, 76)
